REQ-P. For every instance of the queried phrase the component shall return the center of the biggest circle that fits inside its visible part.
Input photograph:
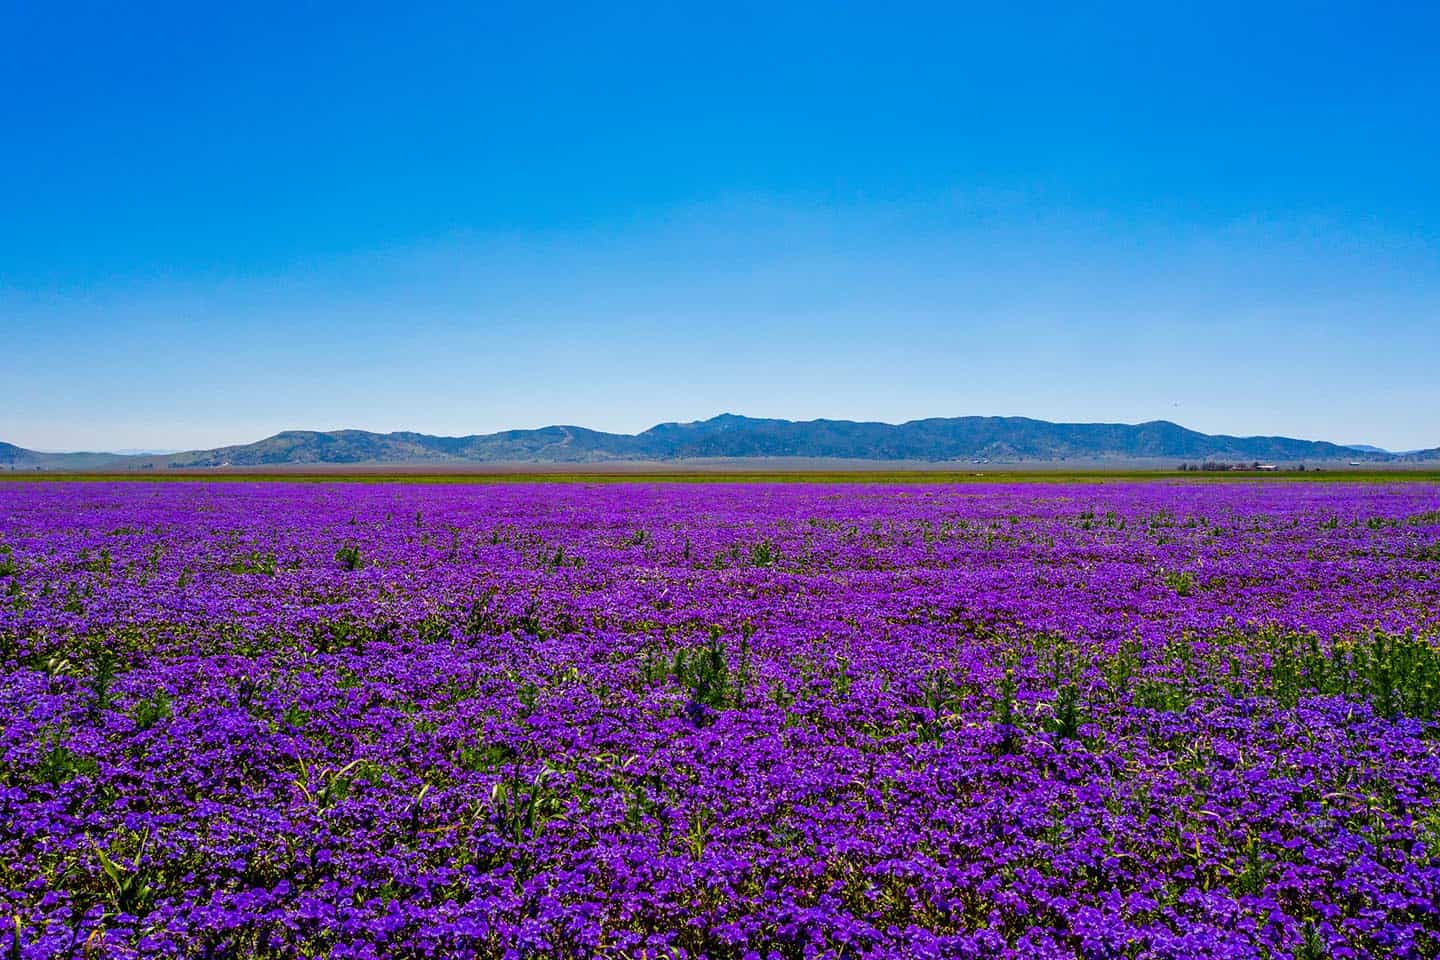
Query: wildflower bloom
(990, 720)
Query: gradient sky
(219, 221)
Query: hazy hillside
(18, 458)
(730, 436)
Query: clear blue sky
(218, 221)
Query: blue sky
(219, 223)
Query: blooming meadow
(1157, 719)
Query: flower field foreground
(751, 721)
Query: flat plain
(858, 716)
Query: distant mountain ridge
(729, 436)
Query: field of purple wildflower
(751, 721)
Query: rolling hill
(732, 437)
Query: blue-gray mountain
(734, 437)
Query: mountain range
(732, 437)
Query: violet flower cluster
(1158, 720)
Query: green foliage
(349, 557)
(1312, 947)
(330, 636)
(254, 562)
(939, 692)
(1160, 520)
(96, 564)
(1164, 693)
(764, 554)
(1398, 675)
(412, 821)
(1006, 716)
(59, 764)
(74, 602)
(150, 711)
(1181, 581)
(704, 672)
(482, 618)
(939, 699)
(1254, 873)
(654, 666)
(325, 786)
(481, 757)
(743, 670)
(841, 681)
(246, 690)
(522, 807)
(698, 834)
(294, 716)
(101, 681)
(1068, 714)
(131, 888)
(644, 795)
(528, 693)
(529, 620)
(1121, 668)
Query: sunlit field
(744, 720)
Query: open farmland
(1096, 720)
